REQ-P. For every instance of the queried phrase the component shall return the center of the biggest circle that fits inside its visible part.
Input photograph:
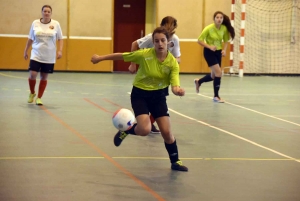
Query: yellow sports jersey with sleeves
(153, 74)
(213, 36)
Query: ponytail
(170, 24)
(226, 22)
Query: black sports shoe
(154, 130)
(119, 137)
(179, 167)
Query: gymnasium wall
(87, 24)
(87, 27)
(192, 17)
(150, 16)
(90, 33)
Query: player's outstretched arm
(98, 58)
(178, 91)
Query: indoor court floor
(243, 150)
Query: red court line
(98, 106)
(142, 184)
(112, 103)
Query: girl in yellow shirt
(170, 23)
(157, 70)
(211, 39)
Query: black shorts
(212, 57)
(38, 66)
(145, 102)
(166, 91)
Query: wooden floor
(243, 150)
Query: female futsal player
(170, 24)
(211, 39)
(42, 37)
(157, 70)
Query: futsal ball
(123, 119)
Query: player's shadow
(37, 107)
(170, 181)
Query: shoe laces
(122, 135)
(179, 163)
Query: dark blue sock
(131, 130)
(206, 78)
(217, 84)
(172, 151)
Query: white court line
(297, 116)
(234, 135)
(255, 111)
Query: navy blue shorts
(212, 57)
(166, 91)
(145, 102)
(38, 66)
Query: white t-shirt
(173, 46)
(44, 38)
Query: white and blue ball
(123, 119)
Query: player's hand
(223, 53)
(25, 55)
(95, 59)
(180, 92)
(59, 54)
(213, 48)
(132, 68)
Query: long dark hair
(226, 23)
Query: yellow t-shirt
(153, 74)
(213, 36)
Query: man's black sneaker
(154, 130)
(119, 137)
(179, 167)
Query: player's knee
(144, 131)
(32, 75)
